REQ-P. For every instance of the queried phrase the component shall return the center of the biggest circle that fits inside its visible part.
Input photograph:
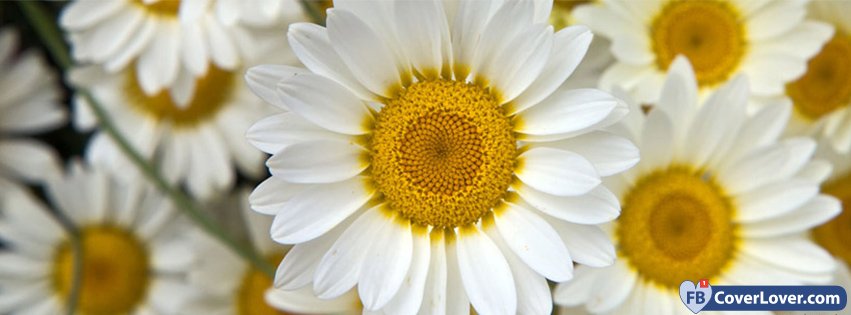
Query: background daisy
(134, 251)
(427, 157)
(198, 145)
(226, 284)
(835, 235)
(822, 96)
(716, 196)
(598, 58)
(770, 41)
(165, 40)
(29, 104)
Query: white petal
(510, 20)
(610, 154)
(533, 292)
(137, 42)
(578, 291)
(566, 111)
(194, 52)
(490, 285)
(270, 196)
(426, 35)
(311, 44)
(366, 55)
(435, 291)
(510, 72)
(340, 268)
(410, 296)
(387, 262)
(679, 95)
(470, 20)
(457, 300)
(612, 289)
(588, 244)
(557, 172)
(793, 253)
(30, 160)
(816, 211)
(158, 65)
(304, 302)
(767, 165)
(297, 268)
(717, 123)
(774, 199)
(569, 47)
(597, 206)
(325, 103)
(534, 241)
(657, 141)
(85, 14)
(263, 81)
(761, 129)
(318, 162)
(775, 19)
(317, 209)
(222, 48)
(274, 133)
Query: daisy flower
(835, 235)
(769, 41)
(226, 284)
(133, 252)
(163, 40)
(716, 196)
(29, 104)
(197, 144)
(427, 157)
(822, 96)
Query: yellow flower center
(835, 235)
(709, 33)
(676, 225)
(443, 153)
(114, 271)
(212, 92)
(250, 297)
(168, 8)
(561, 16)
(826, 86)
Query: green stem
(52, 38)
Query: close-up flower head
(445, 157)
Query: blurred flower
(716, 196)
(29, 104)
(822, 97)
(197, 144)
(227, 284)
(835, 236)
(133, 250)
(767, 40)
(399, 165)
(168, 41)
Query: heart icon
(695, 298)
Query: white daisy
(227, 284)
(29, 104)
(716, 196)
(768, 40)
(168, 39)
(835, 236)
(133, 250)
(428, 158)
(822, 96)
(197, 144)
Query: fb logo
(695, 297)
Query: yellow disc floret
(168, 8)
(835, 235)
(115, 269)
(212, 92)
(826, 86)
(709, 33)
(250, 298)
(443, 153)
(676, 225)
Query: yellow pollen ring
(676, 225)
(709, 33)
(835, 235)
(826, 86)
(114, 275)
(442, 153)
(212, 92)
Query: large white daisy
(164, 40)
(768, 40)
(822, 96)
(197, 144)
(29, 104)
(716, 196)
(428, 158)
(133, 258)
(226, 284)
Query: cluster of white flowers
(425, 156)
